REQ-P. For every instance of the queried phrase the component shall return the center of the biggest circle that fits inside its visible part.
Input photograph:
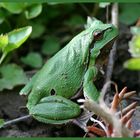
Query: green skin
(66, 72)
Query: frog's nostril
(52, 92)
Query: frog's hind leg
(55, 109)
(27, 88)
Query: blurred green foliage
(11, 76)
(33, 59)
(129, 13)
(1, 123)
(50, 46)
(30, 10)
(53, 26)
(134, 49)
(13, 40)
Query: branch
(113, 51)
(120, 129)
(8, 123)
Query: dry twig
(116, 127)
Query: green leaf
(33, 59)
(3, 15)
(12, 75)
(17, 37)
(134, 46)
(38, 29)
(104, 4)
(129, 13)
(132, 64)
(50, 46)
(14, 8)
(1, 123)
(2, 18)
(75, 20)
(33, 11)
(3, 41)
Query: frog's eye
(98, 35)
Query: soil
(13, 106)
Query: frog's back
(63, 73)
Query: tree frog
(73, 67)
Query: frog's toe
(23, 93)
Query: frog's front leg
(90, 91)
(27, 88)
(55, 110)
(89, 88)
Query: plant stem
(112, 55)
(95, 9)
(104, 112)
(107, 14)
(85, 9)
(8, 123)
(2, 57)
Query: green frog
(50, 90)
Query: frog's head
(101, 34)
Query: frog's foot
(26, 90)
(85, 117)
(55, 109)
(81, 101)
